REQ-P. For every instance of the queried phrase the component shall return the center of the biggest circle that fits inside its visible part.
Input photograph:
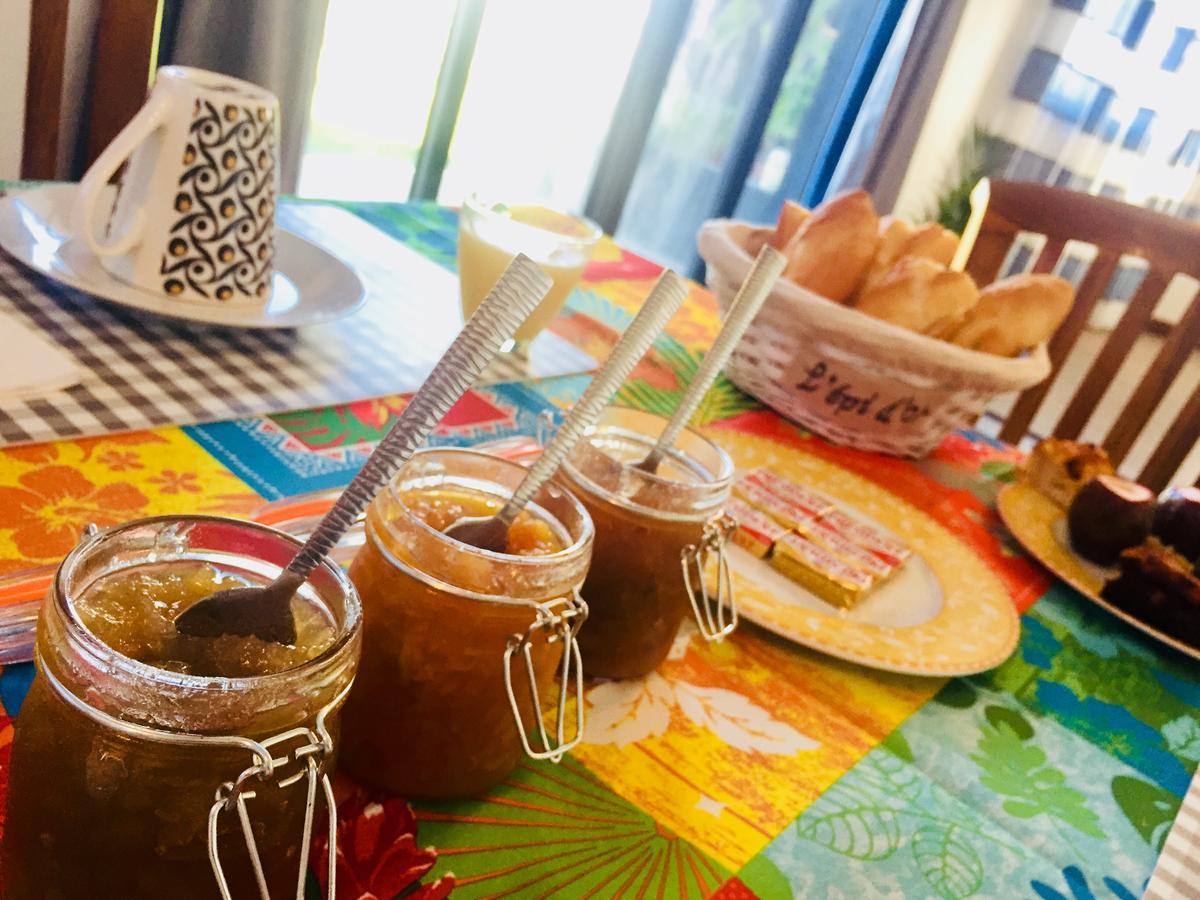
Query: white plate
(311, 285)
(944, 613)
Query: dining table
(752, 767)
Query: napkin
(31, 366)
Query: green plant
(978, 157)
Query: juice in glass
(490, 235)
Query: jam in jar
(636, 591)
(130, 729)
(443, 705)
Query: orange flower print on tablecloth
(120, 460)
(54, 503)
(32, 453)
(172, 482)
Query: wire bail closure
(710, 610)
(562, 618)
(314, 746)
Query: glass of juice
(491, 234)
(462, 646)
(134, 738)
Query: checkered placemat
(1178, 871)
(142, 371)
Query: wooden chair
(1000, 210)
(124, 56)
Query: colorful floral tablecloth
(751, 768)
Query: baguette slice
(830, 252)
(1015, 314)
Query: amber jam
(429, 715)
(635, 590)
(129, 728)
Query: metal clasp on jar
(562, 619)
(310, 747)
(711, 609)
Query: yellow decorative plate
(1038, 524)
(945, 613)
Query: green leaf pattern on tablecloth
(947, 860)
(860, 818)
(1016, 768)
(1183, 737)
(1149, 808)
(1069, 758)
(720, 402)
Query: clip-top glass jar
(654, 535)
(135, 741)
(461, 644)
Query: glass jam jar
(654, 535)
(459, 643)
(134, 740)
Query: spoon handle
(664, 299)
(519, 290)
(749, 300)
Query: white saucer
(311, 285)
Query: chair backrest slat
(1175, 351)
(1049, 256)
(1001, 210)
(1175, 445)
(1112, 354)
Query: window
(720, 142)
(1098, 116)
(1111, 190)
(1069, 95)
(1188, 151)
(1130, 22)
(1137, 136)
(1062, 91)
(1035, 74)
(1178, 49)
(1073, 5)
(1029, 166)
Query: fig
(1177, 522)
(1108, 515)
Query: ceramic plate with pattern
(945, 613)
(1038, 524)
(311, 285)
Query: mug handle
(149, 118)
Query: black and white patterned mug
(194, 214)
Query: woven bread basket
(849, 377)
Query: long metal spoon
(491, 532)
(749, 300)
(266, 612)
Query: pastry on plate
(1157, 586)
(1058, 468)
